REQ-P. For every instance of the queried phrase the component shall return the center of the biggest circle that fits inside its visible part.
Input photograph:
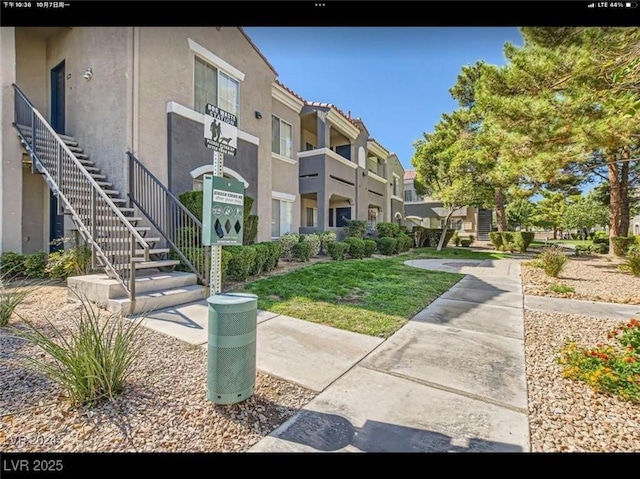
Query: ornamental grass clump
(613, 367)
(553, 261)
(92, 359)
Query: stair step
(155, 300)
(130, 218)
(82, 156)
(91, 169)
(74, 148)
(122, 228)
(161, 263)
(104, 184)
(105, 239)
(98, 176)
(141, 251)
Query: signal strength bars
(591, 5)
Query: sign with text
(220, 130)
(223, 211)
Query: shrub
(522, 240)
(337, 250)
(250, 231)
(370, 247)
(12, 264)
(356, 247)
(613, 367)
(465, 243)
(93, 360)
(621, 244)
(600, 237)
(73, 261)
(631, 262)
(601, 248)
(553, 261)
(35, 265)
(355, 228)
(240, 262)
(226, 258)
(326, 237)
(473, 239)
(456, 238)
(192, 200)
(561, 288)
(274, 251)
(405, 243)
(301, 251)
(314, 242)
(387, 230)
(508, 240)
(420, 237)
(262, 254)
(286, 243)
(496, 240)
(388, 246)
(198, 256)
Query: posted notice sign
(223, 211)
(220, 130)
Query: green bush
(522, 240)
(224, 264)
(356, 247)
(274, 251)
(198, 256)
(314, 242)
(631, 262)
(192, 200)
(621, 244)
(370, 247)
(473, 239)
(91, 361)
(301, 251)
(286, 242)
(326, 237)
(433, 237)
(456, 238)
(496, 240)
(553, 261)
(508, 240)
(250, 231)
(73, 261)
(262, 254)
(240, 262)
(387, 229)
(355, 228)
(465, 243)
(12, 264)
(337, 250)
(35, 265)
(405, 242)
(600, 237)
(388, 246)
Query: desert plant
(370, 247)
(12, 292)
(561, 288)
(92, 360)
(631, 262)
(356, 247)
(314, 242)
(337, 250)
(287, 241)
(301, 251)
(553, 261)
(612, 368)
(75, 260)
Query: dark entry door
(56, 221)
(342, 216)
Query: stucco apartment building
(427, 212)
(111, 94)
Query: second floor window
(408, 195)
(215, 87)
(281, 137)
(396, 186)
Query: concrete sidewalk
(451, 379)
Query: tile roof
(290, 90)
(354, 121)
(409, 175)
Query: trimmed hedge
(356, 247)
(314, 242)
(326, 237)
(301, 251)
(337, 250)
(496, 240)
(600, 237)
(286, 242)
(388, 246)
(621, 244)
(511, 240)
(262, 254)
(523, 239)
(370, 247)
(431, 236)
(465, 243)
(405, 243)
(387, 230)
(356, 228)
(241, 262)
(274, 249)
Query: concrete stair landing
(154, 290)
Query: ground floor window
(281, 217)
(453, 224)
(372, 218)
(312, 217)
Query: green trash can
(231, 361)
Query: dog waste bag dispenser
(223, 214)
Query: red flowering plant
(613, 367)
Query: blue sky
(396, 79)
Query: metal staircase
(119, 244)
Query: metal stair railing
(175, 223)
(113, 239)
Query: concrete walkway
(590, 308)
(451, 379)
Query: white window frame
(281, 138)
(281, 201)
(314, 217)
(221, 76)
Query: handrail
(167, 214)
(80, 194)
(93, 182)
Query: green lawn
(551, 241)
(369, 296)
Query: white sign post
(220, 135)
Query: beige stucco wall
(35, 224)
(31, 67)
(164, 54)
(96, 110)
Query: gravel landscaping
(164, 407)
(593, 278)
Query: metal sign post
(220, 135)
